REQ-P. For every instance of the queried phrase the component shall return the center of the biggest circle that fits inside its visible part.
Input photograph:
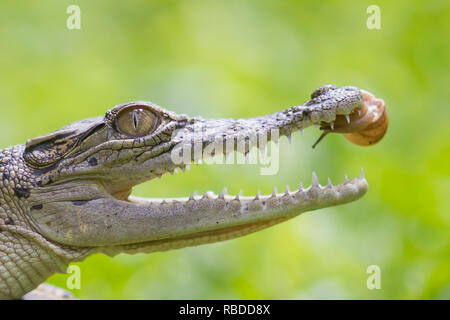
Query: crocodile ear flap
(45, 150)
(48, 149)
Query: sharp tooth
(188, 167)
(205, 195)
(238, 195)
(223, 193)
(287, 192)
(359, 112)
(274, 192)
(330, 184)
(289, 136)
(258, 194)
(332, 125)
(191, 197)
(362, 173)
(159, 176)
(176, 170)
(347, 117)
(346, 179)
(300, 187)
(301, 131)
(315, 181)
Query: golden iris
(136, 121)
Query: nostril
(322, 90)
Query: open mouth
(227, 216)
(368, 123)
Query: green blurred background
(248, 58)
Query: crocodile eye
(136, 121)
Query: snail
(364, 127)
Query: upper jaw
(201, 137)
(207, 137)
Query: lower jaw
(238, 216)
(200, 238)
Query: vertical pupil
(135, 119)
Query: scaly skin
(66, 195)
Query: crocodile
(67, 195)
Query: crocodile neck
(26, 258)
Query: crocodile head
(83, 175)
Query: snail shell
(367, 125)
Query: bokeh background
(248, 58)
